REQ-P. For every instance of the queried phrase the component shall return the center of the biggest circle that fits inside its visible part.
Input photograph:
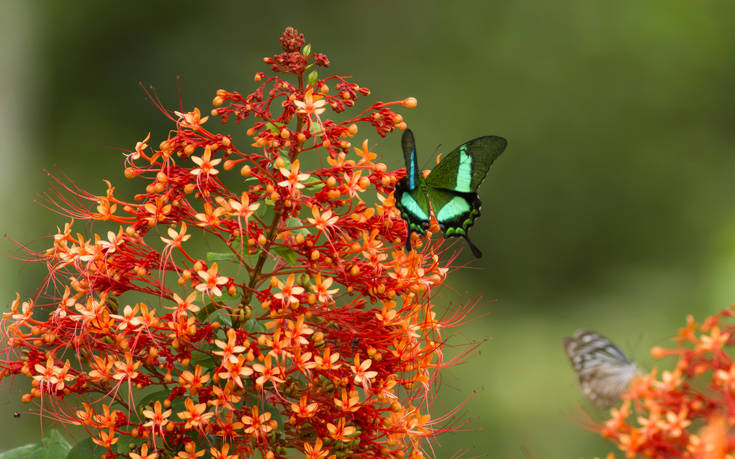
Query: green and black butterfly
(451, 187)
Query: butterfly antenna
(636, 345)
(432, 161)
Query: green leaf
(275, 126)
(313, 78)
(254, 326)
(86, 449)
(285, 253)
(286, 161)
(275, 415)
(220, 316)
(152, 398)
(203, 360)
(306, 50)
(312, 179)
(53, 446)
(292, 222)
(205, 312)
(219, 256)
(262, 211)
(315, 129)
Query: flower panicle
(279, 312)
(684, 412)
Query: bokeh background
(612, 209)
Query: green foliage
(52, 446)
(86, 449)
(219, 256)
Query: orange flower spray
(244, 301)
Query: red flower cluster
(304, 326)
(687, 412)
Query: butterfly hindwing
(602, 368)
(456, 212)
(414, 210)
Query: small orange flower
(322, 220)
(322, 290)
(304, 409)
(293, 177)
(315, 451)
(144, 454)
(106, 439)
(177, 237)
(190, 451)
(365, 154)
(268, 372)
(288, 290)
(211, 281)
(158, 417)
(311, 105)
(193, 381)
(362, 376)
(194, 415)
(186, 304)
(235, 370)
(191, 120)
(206, 163)
(340, 431)
(126, 369)
(222, 453)
(257, 425)
(139, 147)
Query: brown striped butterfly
(603, 370)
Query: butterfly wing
(414, 177)
(453, 183)
(410, 191)
(603, 370)
(456, 212)
(465, 167)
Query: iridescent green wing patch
(410, 192)
(456, 213)
(414, 210)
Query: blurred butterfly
(450, 189)
(603, 370)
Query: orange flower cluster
(241, 314)
(688, 412)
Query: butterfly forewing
(603, 370)
(465, 167)
(413, 174)
(410, 195)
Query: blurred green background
(612, 208)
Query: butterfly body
(603, 370)
(450, 190)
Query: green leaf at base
(53, 446)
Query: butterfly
(603, 370)
(450, 189)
